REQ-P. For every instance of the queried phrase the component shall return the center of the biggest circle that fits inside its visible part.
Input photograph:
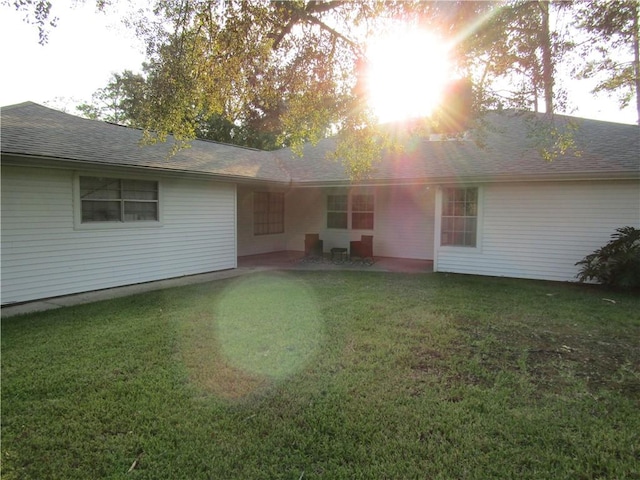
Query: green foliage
(273, 74)
(552, 135)
(384, 376)
(612, 48)
(617, 263)
(36, 12)
(119, 102)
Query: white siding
(304, 211)
(44, 256)
(540, 231)
(405, 222)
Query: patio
(294, 260)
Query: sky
(87, 47)
(84, 50)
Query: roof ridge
(21, 104)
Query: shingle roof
(506, 151)
(33, 130)
(605, 150)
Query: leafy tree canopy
(271, 74)
(612, 26)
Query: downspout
(437, 227)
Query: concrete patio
(292, 260)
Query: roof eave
(564, 177)
(66, 163)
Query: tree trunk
(547, 58)
(636, 55)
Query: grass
(328, 375)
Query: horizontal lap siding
(44, 256)
(304, 211)
(540, 231)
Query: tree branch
(335, 33)
(313, 7)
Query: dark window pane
(362, 203)
(139, 190)
(140, 211)
(337, 219)
(96, 188)
(100, 211)
(470, 239)
(362, 221)
(337, 203)
(471, 209)
(471, 195)
(447, 209)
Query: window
(268, 213)
(459, 217)
(337, 211)
(360, 211)
(118, 200)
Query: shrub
(617, 263)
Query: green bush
(617, 263)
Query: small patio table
(338, 255)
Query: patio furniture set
(359, 251)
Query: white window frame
(77, 204)
(328, 211)
(350, 211)
(479, 219)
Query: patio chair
(362, 249)
(313, 247)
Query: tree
(517, 65)
(119, 102)
(280, 64)
(36, 12)
(122, 99)
(294, 69)
(612, 26)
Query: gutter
(62, 163)
(66, 163)
(556, 177)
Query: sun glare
(406, 74)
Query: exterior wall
(45, 255)
(248, 242)
(304, 214)
(540, 230)
(405, 222)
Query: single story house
(85, 207)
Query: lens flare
(408, 71)
(268, 325)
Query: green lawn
(333, 375)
